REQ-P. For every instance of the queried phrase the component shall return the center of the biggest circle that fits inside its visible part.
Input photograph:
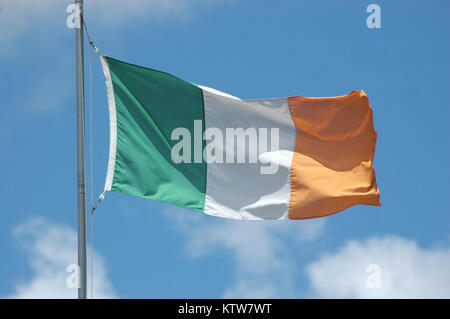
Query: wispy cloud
(262, 264)
(50, 248)
(25, 17)
(406, 270)
(51, 90)
(33, 41)
(311, 229)
(116, 12)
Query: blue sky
(250, 49)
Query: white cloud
(50, 249)
(407, 271)
(262, 266)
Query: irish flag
(192, 146)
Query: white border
(112, 124)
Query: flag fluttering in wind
(196, 147)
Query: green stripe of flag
(149, 105)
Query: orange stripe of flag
(332, 166)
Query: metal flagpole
(81, 177)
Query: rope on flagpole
(91, 43)
(91, 171)
(97, 51)
(93, 206)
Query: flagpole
(81, 177)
